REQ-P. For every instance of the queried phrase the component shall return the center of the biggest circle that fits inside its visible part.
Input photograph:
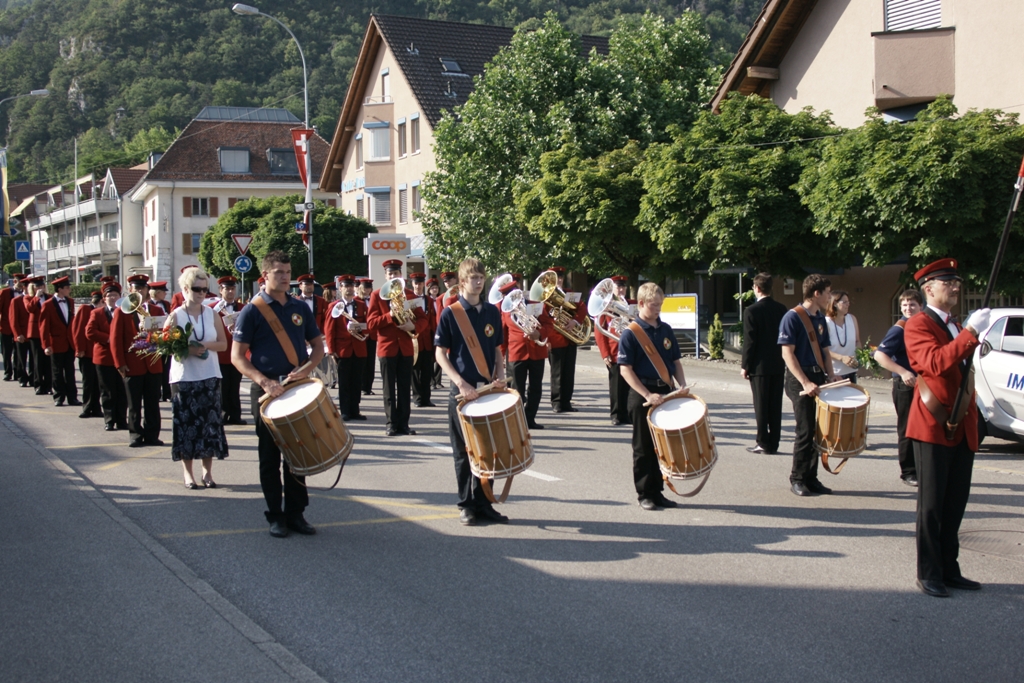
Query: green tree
(338, 238)
(723, 191)
(935, 187)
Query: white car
(1000, 376)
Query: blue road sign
(21, 250)
(243, 264)
(300, 227)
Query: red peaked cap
(943, 269)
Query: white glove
(980, 320)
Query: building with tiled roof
(225, 154)
(409, 71)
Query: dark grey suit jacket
(762, 354)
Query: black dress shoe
(467, 517)
(817, 487)
(278, 529)
(390, 432)
(367, 393)
(962, 583)
(492, 515)
(663, 502)
(648, 504)
(557, 409)
(74, 402)
(800, 489)
(298, 524)
(137, 443)
(210, 484)
(936, 589)
(407, 432)
(756, 449)
(109, 428)
(359, 417)
(535, 426)
(191, 486)
(346, 418)
(909, 481)
(570, 409)
(123, 426)
(153, 442)
(84, 415)
(616, 422)
(59, 402)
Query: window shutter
(152, 210)
(186, 241)
(906, 15)
(231, 202)
(186, 207)
(333, 203)
(214, 208)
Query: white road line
(441, 447)
(539, 475)
(448, 449)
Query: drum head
(489, 404)
(292, 400)
(843, 397)
(677, 413)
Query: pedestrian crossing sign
(21, 250)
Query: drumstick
(486, 387)
(681, 391)
(840, 383)
(303, 368)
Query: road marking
(382, 501)
(322, 525)
(539, 475)
(999, 470)
(118, 463)
(90, 445)
(435, 445)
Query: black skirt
(198, 431)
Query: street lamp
(249, 10)
(42, 92)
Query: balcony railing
(68, 213)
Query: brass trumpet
(545, 288)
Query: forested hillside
(124, 74)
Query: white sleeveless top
(204, 329)
(847, 334)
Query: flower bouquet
(165, 343)
(866, 358)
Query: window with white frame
(359, 208)
(416, 200)
(200, 206)
(380, 207)
(234, 160)
(403, 205)
(402, 147)
(385, 86)
(380, 144)
(359, 151)
(414, 133)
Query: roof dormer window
(234, 159)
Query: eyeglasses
(200, 290)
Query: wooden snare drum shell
(313, 439)
(498, 444)
(685, 452)
(841, 432)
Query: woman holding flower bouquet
(845, 335)
(192, 337)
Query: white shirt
(948, 317)
(194, 368)
(837, 335)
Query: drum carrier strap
(275, 324)
(815, 346)
(652, 353)
(476, 351)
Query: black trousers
(646, 473)
(62, 369)
(902, 397)
(371, 365)
(396, 376)
(273, 466)
(113, 397)
(22, 360)
(350, 380)
(230, 399)
(143, 393)
(618, 394)
(944, 484)
(767, 391)
(805, 455)
(471, 493)
(7, 347)
(90, 387)
(438, 375)
(422, 377)
(563, 375)
(527, 377)
(42, 379)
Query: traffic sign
(300, 227)
(243, 264)
(242, 242)
(305, 206)
(21, 250)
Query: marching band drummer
(423, 370)
(365, 290)
(158, 298)
(469, 315)
(526, 356)
(142, 375)
(348, 352)
(276, 357)
(113, 399)
(618, 388)
(649, 359)
(231, 378)
(316, 303)
(563, 357)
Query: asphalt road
(112, 571)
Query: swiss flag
(300, 142)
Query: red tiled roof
(19, 193)
(126, 178)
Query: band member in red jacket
(563, 356)
(346, 342)
(42, 377)
(231, 378)
(6, 331)
(395, 351)
(316, 303)
(526, 356)
(113, 398)
(142, 374)
(423, 370)
(618, 388)
(83, 351)
(55, 318)
(937, 347)
(364, 291)
(17, 317)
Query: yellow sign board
(680, 311)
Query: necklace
(202, 321)
(846, 334)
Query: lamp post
(42, 92)
(249, 10)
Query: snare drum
(841, 423)
(683, 440)
(307, 427)
(497, 439)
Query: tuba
(515, 305)
(394, 292)
(545, 288)
(338, 311)
(494, 296)
(604, 301)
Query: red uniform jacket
(427, 335)
(97, 331)
(936, 360)
(609, 347)
(519, 346)
(177, 299)
(557, 340)
(165, 305)
(6, 294)
(392, 341)
(319, 310)
(340, 341)
(123, 330)
(83, 347)
(55, 333)
(33, 307)
(19, 316)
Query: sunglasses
(201, 290)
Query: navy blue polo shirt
(265, 350)
(792, 331)
(893, 346)
(632, 354)
(486, 323)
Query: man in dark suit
(763, 365)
